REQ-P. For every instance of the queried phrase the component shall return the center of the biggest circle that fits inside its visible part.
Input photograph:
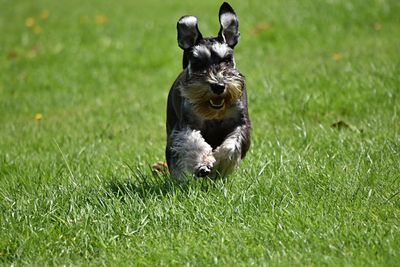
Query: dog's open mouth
(217, 103)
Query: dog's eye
(198, 64)
(228, 58)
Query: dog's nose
(217, 88)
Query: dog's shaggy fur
(208, 126)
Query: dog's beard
(197, 91)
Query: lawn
(83, 89)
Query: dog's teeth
(217, 105)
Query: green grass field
(83, 88)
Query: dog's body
(208, 126)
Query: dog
(208, 125)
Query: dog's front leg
(189, 153)
(232, 149)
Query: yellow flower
(37, 29)
(100, 19)
(260, 28)
(38, 116)
(45, 14)
(31, 54)
(30, 22)
(377, 26)
(337, 56)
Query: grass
(320, 185)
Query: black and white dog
(208, 126)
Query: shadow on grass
(143, 188)
(145, 184)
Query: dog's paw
(227, 158)
(227, 151)
(203, 171)
(205, 166)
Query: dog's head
(212, 82)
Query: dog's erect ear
(188, 32)
(229, 31)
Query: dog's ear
(188, 32)
(229, 31)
